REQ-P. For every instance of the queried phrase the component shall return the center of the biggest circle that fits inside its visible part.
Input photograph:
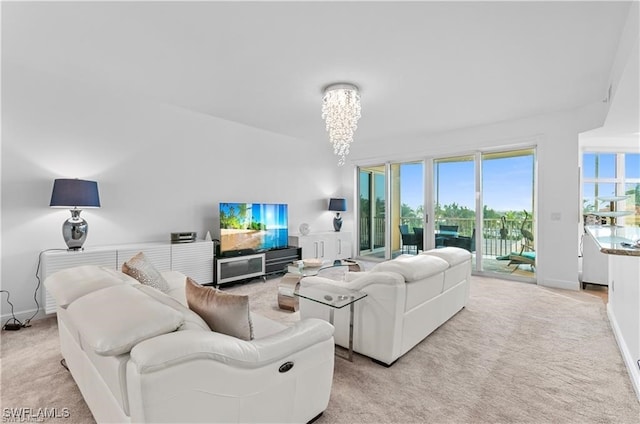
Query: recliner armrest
(181, 346)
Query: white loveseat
(140, 355)
(408, 298)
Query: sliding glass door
(455, 202)
(501, 186)
(407, 207)
(391, 209)
(482, 202)
(372, 211)
(508, 213)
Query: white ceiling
(422, 67)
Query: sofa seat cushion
(192, 321)
(177, 282)
(453, 255)
(69, 284)
(413, 267)
(113, 320)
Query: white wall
(159, 169)
(162, 169)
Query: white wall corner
(632, 368)
(627, 48)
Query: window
(607, 174)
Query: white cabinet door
(326, 246)
(194, 260)
(595, 264)
(312, 246)
(343, 245)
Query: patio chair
(408, 239)
(468, 243)
(419, 233)
(445, 232)
(448, 228)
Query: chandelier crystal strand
(341, 111)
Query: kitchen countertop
(615, 240)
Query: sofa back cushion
(423, 290)
(413, 267)
(72, 283)
(113, 320)
(453, 255)
(177, 283)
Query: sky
(507, 183)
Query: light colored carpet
(518, 353)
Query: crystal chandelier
(341, 111)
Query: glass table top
(309, 271)
(330, 295)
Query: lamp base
(74, 230)
(337, 222)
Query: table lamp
(74, 193)
(337, 205)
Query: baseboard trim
(560, 284)
(632, 367)
(314, 419)
(24, 315)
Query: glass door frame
(359, 170)
(391, 230)
(429, 203)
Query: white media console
(327, 246)
(193, 259)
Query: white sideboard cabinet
(595, 264)
(192, 259)
(327, 246)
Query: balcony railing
(495, 241)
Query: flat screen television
(252, 227)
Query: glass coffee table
(335, 298)
(290, 282)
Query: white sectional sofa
(140, 355)
(408, 298)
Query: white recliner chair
(140, 355)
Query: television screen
(253, 227)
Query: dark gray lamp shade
(71, 193)
(74, 194)
(337, 205)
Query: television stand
(232, 269)
(248, 266)
(277, 260)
